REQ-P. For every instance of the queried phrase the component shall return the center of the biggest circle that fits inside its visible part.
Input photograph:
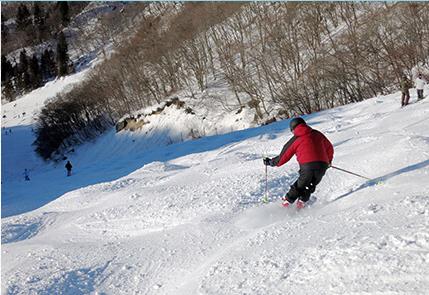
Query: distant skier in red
(314, 153)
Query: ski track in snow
(190, 221)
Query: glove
(268, 162)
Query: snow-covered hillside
(17, 153)
(187, 218)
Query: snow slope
(17, 153)
(187, 218)
(110, 158)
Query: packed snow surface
(187, 218)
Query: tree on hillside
(7, 77)
(48, 65)
(6, 69)
(64, 12)
(39, 21)
(23, 62)
(23, 19)
(4, 30)
(62, 55)
(35, 73)
(23, 75)
(8, 91)
(25, 81)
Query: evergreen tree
(64, 13)
(44, 65)
(8, 90)
(14, 69)
(62, 55)
(37, 13)
(52, 63)
(39, 21)
(3, 68)
(48, 66)
(23, 62)
(24, 82)
(6, 69)
(4, 30)
(23, 19)
(35, 73)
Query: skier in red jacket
(314, 153)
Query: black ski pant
(405, 98)
(420, 94)
(310, 175)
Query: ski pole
(266, 184)
(265, 198)
(355, 174)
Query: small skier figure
(420, 84)
(26, 175)
(314, 153)
(69, 168)
(406, 84)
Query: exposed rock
(134, 123)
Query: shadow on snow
(19, 196)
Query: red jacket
(308, 145)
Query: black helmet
(295, 122)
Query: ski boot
(285, 202)
(300, 205)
